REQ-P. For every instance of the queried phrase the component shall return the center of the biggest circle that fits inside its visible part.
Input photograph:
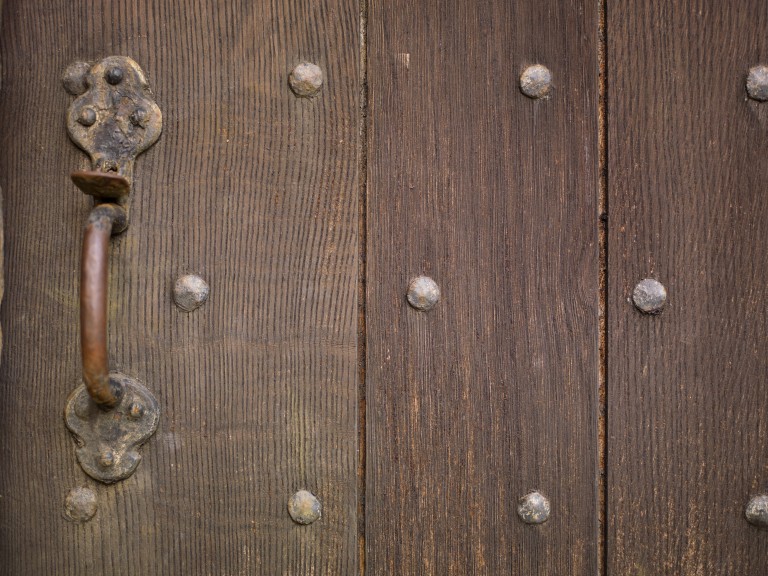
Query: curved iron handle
(103, 220)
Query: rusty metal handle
(103, 220)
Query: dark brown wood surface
(494, 195)
(687, 390)
(252, 188)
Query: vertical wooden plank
(494, 195)
(688, 389)
(252, 188)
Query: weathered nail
(757, 83)
(304, 507)
(136, 411)
(87, 116)
(114, 75)
(74, 78)
(138, 117)
(757, 511)
(190, 292)
(536, 81)
(80, 505)
(107, 459)
(423, 293)
(649, 296)
(306, 79)
(533, 508)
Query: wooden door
(418, 422)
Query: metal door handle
(94, 289)
(113, 119)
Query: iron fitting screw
(306, 79)
(114, 75)
(423, 293)
(87, 117)
(649, 296)
(136, 411)
(107, 459)
(757, 511)
(757, 83)
(536, 81)
(533, 508)
(190, 292)
(80, 505)
(304, 507)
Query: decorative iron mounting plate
(108, 441)
(114, 118)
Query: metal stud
(304, 507)
(190, 292)
(87, 116)
(533, 508)
(423, 293)
(757, 83)
(74, 78)
(114, 75)
(306, 79)
(649, 296)
(107, 459)
(136, 411)
(757, 511)
(536, 81)
(80, 505)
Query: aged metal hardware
(536, 81)
(423, 293)
(306, 80)
(108, 441)
(304, 507)
(757, 511)
(113, 119)
(757, 83)
(533, 508)
(190, 292)
(649, 296)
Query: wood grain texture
(252, 188)
(494, 195)
(687, 390)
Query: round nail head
(114, 75)
(136, 411)
(87, 116)
(304, 507)
(190, 292)
(757, 83)
(74, 78)
(80, 505)
(533, 508)
(649, 296)
(306, 79)
(757, 511)
(107, 459)
(423, 293)
(536, 81)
